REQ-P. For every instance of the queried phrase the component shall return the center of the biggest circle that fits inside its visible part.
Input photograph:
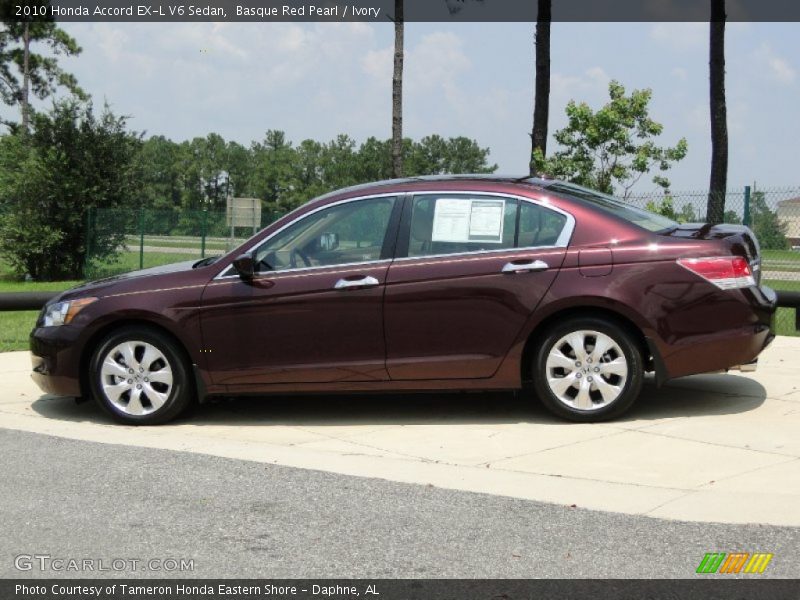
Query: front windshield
(632, 214)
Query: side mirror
(245, 266)
(328, 242)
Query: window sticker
(486, 221)
(462, 220)
(451, 220)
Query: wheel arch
(91, 343)
(604, 312)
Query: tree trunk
(397, 92)
(26, 78)
(719, 118)
(541, 104)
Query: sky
(316, 80)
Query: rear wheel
(140, 377)
(588, 369)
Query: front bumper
(56, 360)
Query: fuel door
(595, 262)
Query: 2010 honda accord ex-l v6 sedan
(450, 283)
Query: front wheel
(139, 376)
(588, 369)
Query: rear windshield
(637, 216)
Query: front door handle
(525, 266)
(349, 283)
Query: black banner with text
(384, 10)
(399, 589)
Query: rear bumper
(727, 348)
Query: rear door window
(539, 226)
(450, 224)
(458, 224)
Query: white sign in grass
(244, 212)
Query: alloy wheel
(136, 377)
(586, 370)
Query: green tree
(70, 162)
(210, 155)
(665, 207)
(613, 145)
(23, 72)
(188, 176)
(161, 182)
(272, 162)
(435, 155)
(374, 160)
(687, 214)
(769, 229)
(731, 217)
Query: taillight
(725, 272)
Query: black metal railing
(790, 300)
(25, 300)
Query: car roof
(385, 185)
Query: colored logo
(734, 563)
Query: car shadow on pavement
(718, 394)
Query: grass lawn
(782, 255)
(784, 319)
(193, 243)
(16, 326)
(129, 261)
(786, 261)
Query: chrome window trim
(477, 253)
(222, 274)
(562, 242)
(334, 269)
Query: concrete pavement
(721, 448)
(233, 518)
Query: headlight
(62, 313)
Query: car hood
(99, 286)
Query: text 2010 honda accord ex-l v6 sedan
(455, 283)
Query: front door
(475, 267)
(313, 313)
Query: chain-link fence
(774, 216)
(125, 240)
(121, 240)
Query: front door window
(347, 233)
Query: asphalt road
(71, 499)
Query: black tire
(179, 394)
(600, 411)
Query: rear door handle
(525, 266)
(349, 283)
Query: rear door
(470, 270)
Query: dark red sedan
(443, 283)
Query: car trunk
(739, 239)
